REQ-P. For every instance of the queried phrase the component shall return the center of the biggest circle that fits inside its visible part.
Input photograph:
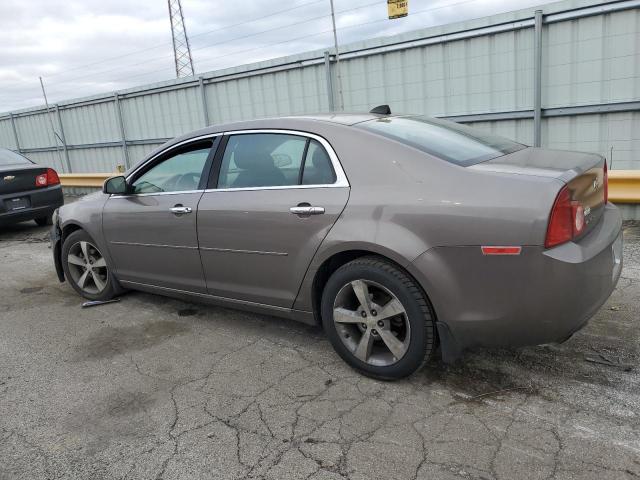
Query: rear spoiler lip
(569, 175)
(502, 165)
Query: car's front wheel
(86, 269)
(378, 319)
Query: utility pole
(335, 43)
(181, 48)
(53, 130)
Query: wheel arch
(340, 258)
(63, 233)
(68, 229)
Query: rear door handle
(307, 210)
(180, 210)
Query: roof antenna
(381, 110)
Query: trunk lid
(583, 173)
(19, 178)
(560, 164)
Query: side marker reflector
(494, 250)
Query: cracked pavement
(152, 387)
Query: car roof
(341, 117)
(302, 122)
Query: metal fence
(567, 77)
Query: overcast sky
(84, 47)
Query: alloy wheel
(371, 322)
(87, 267)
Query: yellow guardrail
(624, 185)
(84, 179)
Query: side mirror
(116, 185)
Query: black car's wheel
(86, 269)
(378, 319)
(44, 221)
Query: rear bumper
(42, 202)
(539, 296)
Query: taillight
(566, 220)
(41, 180)
(606, 182)
(50, 177)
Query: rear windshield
(7, 157)
(449, 141)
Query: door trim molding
(252, 252)
(228, 250)
(153, 194)
(135, 244)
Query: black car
(27, 191)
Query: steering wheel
(187, 181)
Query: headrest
(252, 155)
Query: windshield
(7, 157)
(449, 141)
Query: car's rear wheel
(86, 269)
(378, 319)
(44, 221)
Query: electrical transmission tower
(181, 48)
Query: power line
(209, 45)
(128, 77)
(238, 52)
(163, 45)
(290, 39)
(313, 35)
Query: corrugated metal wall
(481, 72)
(300, 90)
(592, 60)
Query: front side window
(178, 173)
(7, 157)
(449, 141)
(272, 160)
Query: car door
(151, 233)
(277, 194)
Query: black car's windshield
(7, 157)
(449, 141)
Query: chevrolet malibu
(27, 191)
(397, 234)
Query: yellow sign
(398, 8)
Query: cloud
(84, 47)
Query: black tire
(417, 312)
(111, 286)
(44, 221)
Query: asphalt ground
(152, 387)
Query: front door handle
(180, 210)
(307, 210)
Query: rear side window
(317, 166)
(274, 160)
(449, 141)
(7, 157)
